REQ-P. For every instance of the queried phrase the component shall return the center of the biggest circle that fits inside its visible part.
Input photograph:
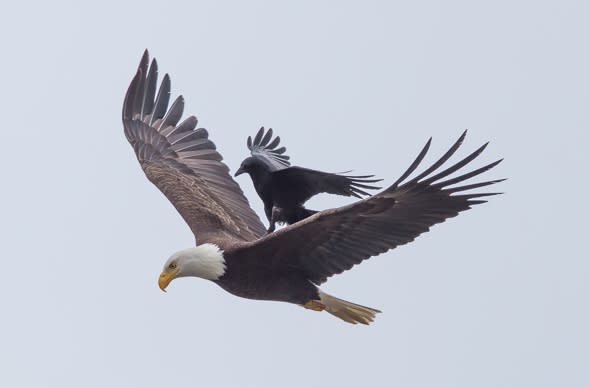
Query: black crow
(284, 188)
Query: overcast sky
(497, 297)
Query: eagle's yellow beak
(165, 278)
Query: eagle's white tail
(347, 311)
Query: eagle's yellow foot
(315, 305)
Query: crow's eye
(172, 265)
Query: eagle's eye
(172, 266)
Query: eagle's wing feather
(183, 163)
(332, 241)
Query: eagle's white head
(204, 261)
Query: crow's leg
(274, 218)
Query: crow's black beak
(240, 171)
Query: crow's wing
(264, 147)
(300, 184)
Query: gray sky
(497, 297)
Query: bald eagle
(232, 247)
(284, 188)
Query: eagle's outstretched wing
(332, 241)
(183, 163)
